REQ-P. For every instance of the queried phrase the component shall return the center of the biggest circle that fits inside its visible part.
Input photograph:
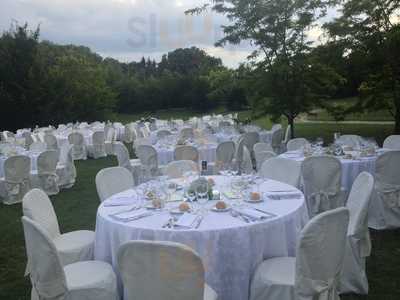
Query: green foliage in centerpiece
(201, 181)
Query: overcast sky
(124, 29)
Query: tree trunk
(397, 118)
(291, 123)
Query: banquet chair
(89, 280)
(51, 142)
(276, 140)
(246, 165)
(276, 127)
(322, 176)
(73, 246)
(350, 140)
(38, 147)
(15, 183)
(149, 161)
(314, 273)
(163, 133)
(132, 165)
(281, 169)
(358, 244)
(66, 170)
(263, 156)
(28, 139)
(78, 142)
(176, 169)
(224, 124)
(176, 272)
(129, 133)
(45, 177)
(111, 181)
(258, 147)
(392, 142)
(110, 138)
(296, 144)
(186, 153)
(186, 133)
(250, 139)
(384, 211)
(225, 154)
(98, 147)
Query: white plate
(254, 201)
(176, 212)
(149, 206)
(220, 210)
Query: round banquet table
(230, 248)
(351, 168)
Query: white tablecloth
(351, 168)
(230, 248)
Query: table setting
(233, 222)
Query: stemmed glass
(202, 196)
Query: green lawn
(76, 209)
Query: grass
(76, 209)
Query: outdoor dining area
(207, 208)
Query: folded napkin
(283, 195)
(253, 214)
(187, 220)
(131, 215)
(124, 198)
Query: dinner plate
(254, 201)
(220, 210)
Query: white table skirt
(351, 168)
(230, 248)
(206, 153)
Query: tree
(278, 30)
(371, 30)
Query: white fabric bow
(390, 193)
(323, 290)
(320, 198)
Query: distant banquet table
(230, 248)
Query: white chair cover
(98, 148)
(110, 138)
(73, 246)
(288, 134)
(384, 210)
(322, 182)
(38, 147)
(163, 133)
(350, 140)
(132, 166)
(88, 280)
(250, 139)
(46, 177)
(186, 153)
(315, 272)
(16, 178)
(225, 154)
(113, 180)
(296, 144)
(177, 169)
(281, 169)
(276, 127)
(358, 246)
(262, 156)
(175, 272)
(79, 149)
(246, 166)
(66, 170)
(129, 133)
(392, 142)
(259, 147)
(51, 142)
(28, 139)
(149, 159)
(186, 133)
(276, 140)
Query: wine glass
(202, 196)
